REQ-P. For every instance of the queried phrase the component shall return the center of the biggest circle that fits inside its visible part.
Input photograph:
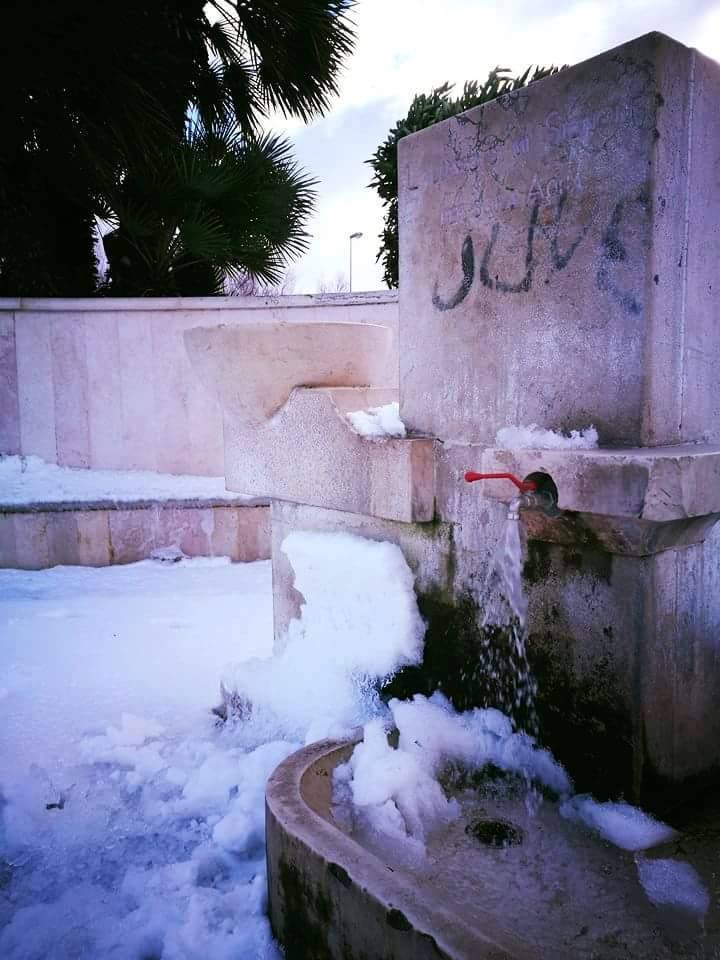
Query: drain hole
(494, 833)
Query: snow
(397, 791)
(674, 883)
(131, 824)
(359, 624)
(620, 823)
(536, 438)
(378, 421)
(25, 480)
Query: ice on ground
(26, 480)
(359, 624)
(673, 883)
(398, 792)
(620, 823)
(537, 438)
(378, 421)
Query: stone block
(309, 453)
(32, 541)
(105, 409)
(8, 551)
(557, 255)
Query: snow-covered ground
(32, 480)
(131, 825)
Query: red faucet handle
(524, 486)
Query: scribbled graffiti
(561, 260)
(467, 261)
(614, 252)
(502, 285)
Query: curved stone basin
(562, 893)
(253, 368)
(332, 899)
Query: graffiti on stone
(613, 246)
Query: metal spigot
(530, 497)
(533, 500)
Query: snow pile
(378, 421)
(673, 883)
(621, 824)
(359, 624)
(536, 438)
(397, 791)
(131, 825)
(31, 480)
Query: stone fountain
(558, 252)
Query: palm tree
(84, 101)
(222, 204)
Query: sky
(406, 47)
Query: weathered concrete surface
(309, 453)
(107, 383)
(330, 899)
(558, 251)
(253, 369)
(100, 534)
(626, 652)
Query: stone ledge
(145, 304)
(99, 536)
(322, 884)
(658, 485)
(309, 453)
(193, 503)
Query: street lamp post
(353, 236)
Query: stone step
(104, 532)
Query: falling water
(504, 652)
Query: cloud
(410, 46)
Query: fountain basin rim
(371, 908)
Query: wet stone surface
(494, 833)
(560, 888)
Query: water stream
(503, 655)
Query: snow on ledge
(28, 480)
(537, 438)
(378, 421)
